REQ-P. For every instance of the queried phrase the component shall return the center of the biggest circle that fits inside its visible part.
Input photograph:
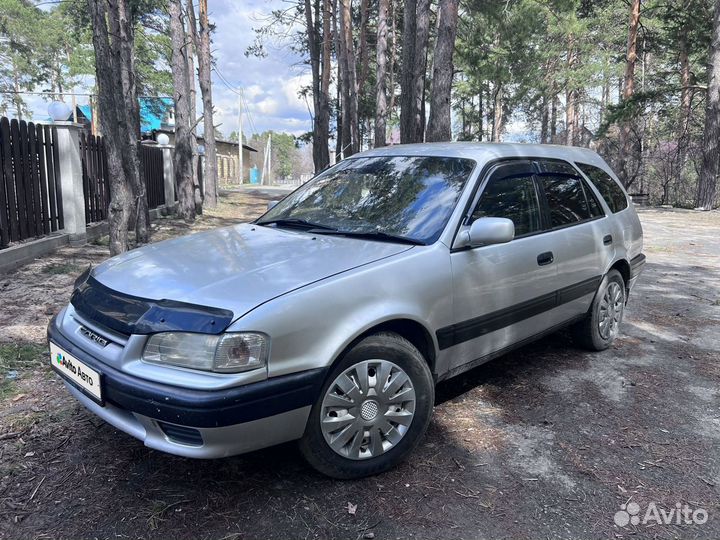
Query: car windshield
(383, 197)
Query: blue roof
(86, 110)
(152, 112)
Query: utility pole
(268, 154)
(240, 139)
(266, 163)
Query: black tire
(382, 346)
(587, 332)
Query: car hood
(236, 268)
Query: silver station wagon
(332, 317)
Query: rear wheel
(602, 324)
(372, 411)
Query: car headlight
(226, 353)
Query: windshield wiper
(296, 222)
(371, 235)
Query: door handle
(607, 240)
(545, 258)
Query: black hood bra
(129, 314)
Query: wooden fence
(96, 185)
(30, 193)
(152, 160)
(30, 188)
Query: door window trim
(484, 176)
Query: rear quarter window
(566, 200)
(609, 189)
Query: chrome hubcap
(367, 409)
(611, 310)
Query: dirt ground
(546, 442)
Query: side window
(511, 197)
(607, 186)
(566, 199)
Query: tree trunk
(407, 81)
(182, 154)
(350, 90)
(685, 103)
(393, 58)
(363, 53)
(323, 115)
(626, 145)
(439, 127)
(604, 96)
(320, 82)
(420, 69)
(544, 119)
(381, 84)
(570, 95)
(497, 126)
(553, 117)
(570, 117)
(110, 102)
(192, 49)
(481, 114)
(204, 57)
(707, 184)
(341, 135)
(139, 212)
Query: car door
(581, 239)
(502, 293)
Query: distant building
(227, 156)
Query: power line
(239, 92)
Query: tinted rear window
(607, 186)
(566, 200)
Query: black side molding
(479, 326)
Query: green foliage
(51, 50)
(286, 156)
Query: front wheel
(372, 411)
(601, 326)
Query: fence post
(71, 182)
(168, 176)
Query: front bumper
(199, 423)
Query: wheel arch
(412, 330)
(622, 266)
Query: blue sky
(270, 85)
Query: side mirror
(271, 205)
(487, 231)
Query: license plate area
(77, 372)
